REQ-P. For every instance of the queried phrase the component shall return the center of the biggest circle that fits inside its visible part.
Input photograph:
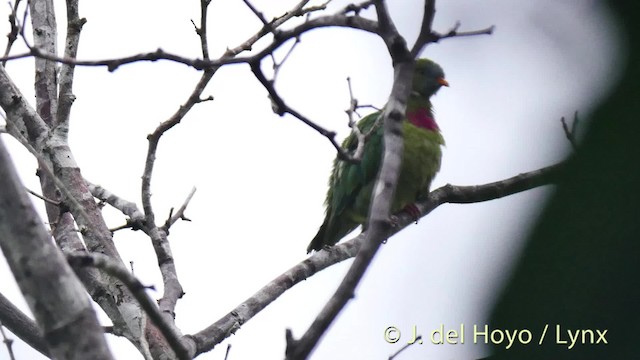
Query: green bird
(351, 185)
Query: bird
(351, 184)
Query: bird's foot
(412, 209)
(394, 221)
(326, 247)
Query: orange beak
(443, 82)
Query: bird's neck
(420, 113)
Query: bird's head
(428, 78)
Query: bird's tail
(330, 233)
(318, 241)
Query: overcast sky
(262, 179)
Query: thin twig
(47, 200)
(214, 334)
(360, 138)
(418, 340)
(451, 34)
(8, 342)
(15, 28)
(280, 108)
(229, 57)
(356, 8)
(571, 134)
(179, 215)
(257, 13)
(276, 65)
(202, 30)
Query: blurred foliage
(581, 266)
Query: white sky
(261, 179)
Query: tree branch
(15, 29)
(207, 338)
(53, 293)
(384, 188)
(281, 108)
(427, 35)
(21, 325)
(116, 269)
(65, 96)
(172, 287)
(180, 213)
(571, 134)
(202, 30)
(229, 57)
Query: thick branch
(230, 323)
(21, 325)
(54, 294)
(384, 188)
(138, 291)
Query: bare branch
(257, 13)
(339, 20)
(356, 8)
(384, 188)
(378, 221)
(278, 65)
(172, 287)
(52, 290)
(353, 105)
(116, 269)
(47, 200)
(15, 28)
(455, 33)
(417, 340)
(8, 342)
(280, 108)
(207, 338)
(21, 325)
(179, 215)
(128, 208)
(427, 35)
(297, 11)
(386, 25)
(65, 96)
(570, 134)
(202, 30)
(226, 326)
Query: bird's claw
(394, 221)
(413, 210)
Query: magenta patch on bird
(422, 119)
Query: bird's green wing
(348, 180)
